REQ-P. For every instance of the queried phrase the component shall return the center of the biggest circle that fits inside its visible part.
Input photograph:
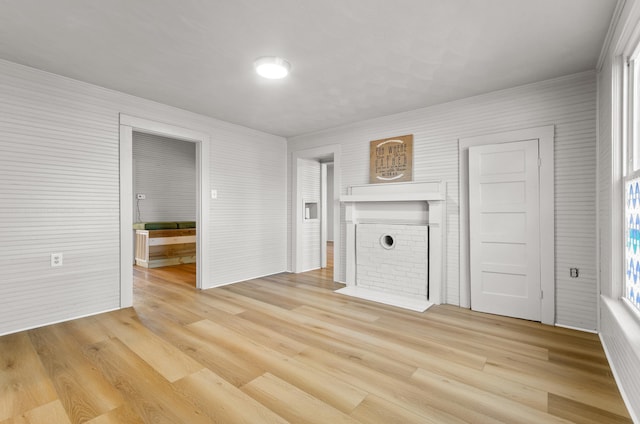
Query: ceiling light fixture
(272, 67)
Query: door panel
(504, 284)
(504, 254)
(503, 192)
(504, 229)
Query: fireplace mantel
(419, 203)
(395, 192)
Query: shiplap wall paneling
(575, 203)
(59, 194)
(622, 345)
(249, 217)
(164, 170)
(59, 165)
(568, 103)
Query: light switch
(214, 194)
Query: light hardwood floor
(285, 348)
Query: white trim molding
(129, 124)
(323, 214)
(613, 25)
(545, 136)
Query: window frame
(631, 151)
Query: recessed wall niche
(310, 210)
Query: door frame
(129, 124)
(323, 215)
(545, 136)
(318, 153)
(501, 299)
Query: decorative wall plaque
(391, 160)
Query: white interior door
(504, 229)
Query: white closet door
(504, 229)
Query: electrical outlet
(141, 196)
(56, 259)
(573, 272)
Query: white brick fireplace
(393, 258)
(395, 243)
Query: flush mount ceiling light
(272, 67)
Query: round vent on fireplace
(387, 241)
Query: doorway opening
(315, 178)
(129, 125)
(546, 251)
(327, 218)
(164, 195)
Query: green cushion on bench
(186, 224)
(155, 226)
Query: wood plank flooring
(285, 348)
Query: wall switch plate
(573, 272)
(141, 196)
(56, 259)
(214, 194)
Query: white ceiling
(351, 59)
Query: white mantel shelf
(395, 192)
(391, 197)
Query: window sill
(633, 311)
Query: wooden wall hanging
(391, 160)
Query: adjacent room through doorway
(164, 212)
(327, 216)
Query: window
(632, 237)
(631, 290)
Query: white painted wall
(164, 170)
(60, 193)
(310, 179)
(619, 325)
(569, 103)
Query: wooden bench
(164, 247)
